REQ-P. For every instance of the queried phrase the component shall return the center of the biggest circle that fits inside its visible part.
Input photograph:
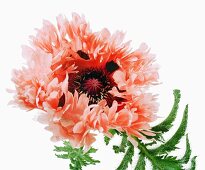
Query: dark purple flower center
(94, 82)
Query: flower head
(86, 81)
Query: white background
(174, 30)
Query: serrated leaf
(168, 164)
(151, 143)
(116, 148)
(106, 140)
(140, 163)
(63, 156)
(122, 146)
(127, 158)
(77, 157)
(91, 150)
(158, 163)
(167, 123)
(170, 145)
(113, 131)
(187, 154)
(62, 148)
(74, 167)
(193, 163)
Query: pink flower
(67, 122)
(86, 81)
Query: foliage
(166, 125)
(77, 157)
(160, 157)
(127, 158)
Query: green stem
(141, 163)
(144, 150)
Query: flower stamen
(92, 85)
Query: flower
(85, 81)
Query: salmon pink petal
(104, 121)
(123, 118)
(89, 139)
(148, 133)
(119, 78)
(134, 142)
(112, 111)
(78, 128)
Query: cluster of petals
(55, 54)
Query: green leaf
(106, 140)
(123, 145)
(167, 123)
(65, 148)
(140, 163)
(63, 156)
(193, 163)
(158, 162)
(166, 163)
(187, 154)
(112, 132)
(78, 158)
(127, 158)
(91, 150)
(171, 143)
(151, 143)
